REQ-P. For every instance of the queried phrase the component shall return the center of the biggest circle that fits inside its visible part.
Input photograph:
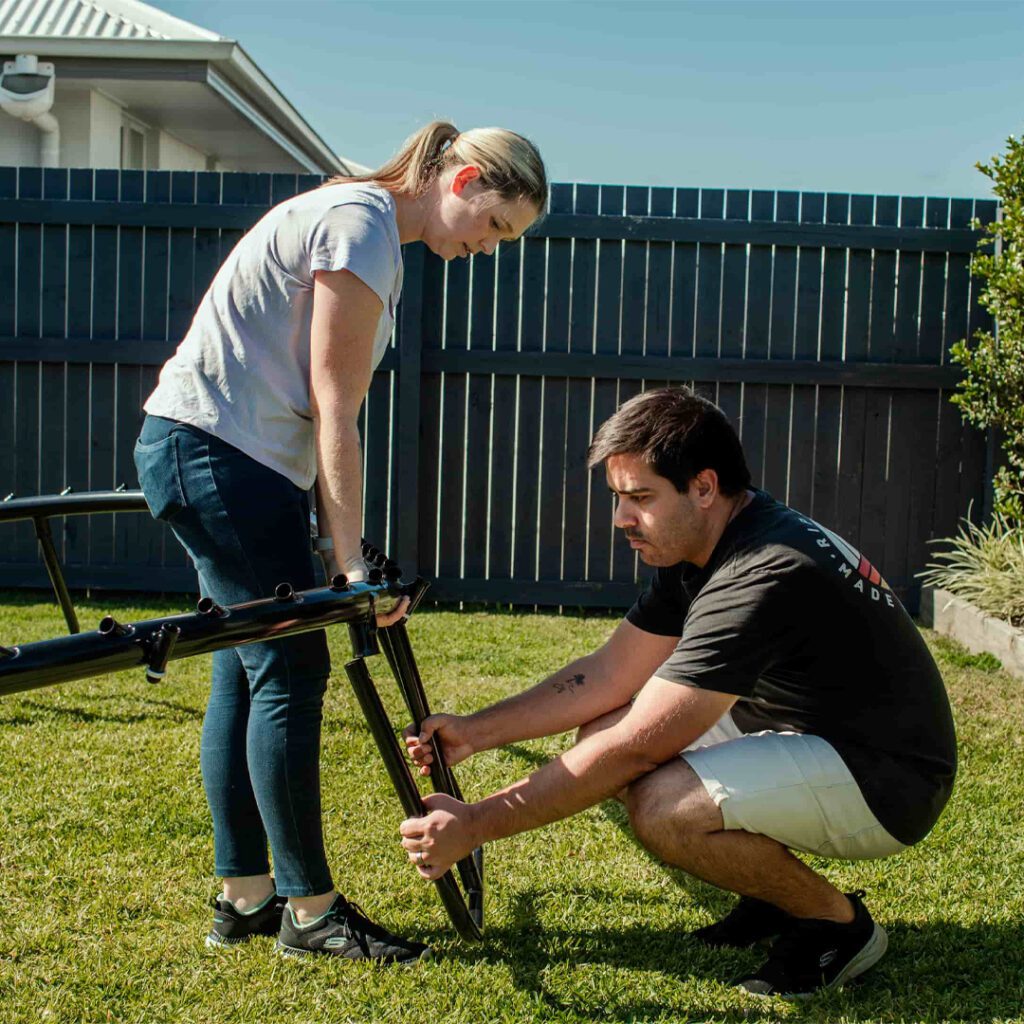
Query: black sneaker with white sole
(231, 926)
(812, 954)
(750, 921)
(347, 932)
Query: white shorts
(791, 787)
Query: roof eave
(242, 64)
(229, 59)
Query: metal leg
(398, 651)
(60, 588)
(373, 710)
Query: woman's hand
(453, 732)
(355, 571)
(443, 836)
(391, 618)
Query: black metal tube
(384, 736)
(60, 587)
(380, 726)
(398, 650)
(415, 591)
(86, 503)
(91, 654)
(363, 638)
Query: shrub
(984, 565)
(991, 393)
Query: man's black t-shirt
(799, 625)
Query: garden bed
(978, 632)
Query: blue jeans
(246, 528)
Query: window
(133, 148)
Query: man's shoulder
(770, 536)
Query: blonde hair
(509, 164)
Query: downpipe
(26, 92)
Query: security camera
(26, 87)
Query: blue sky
(886, 97)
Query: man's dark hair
(678, 434)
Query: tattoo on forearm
(569, 685)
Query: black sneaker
(813, 954)
(750, 921)
(347, 932)
(231, 926)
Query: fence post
(407, 427)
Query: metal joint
(160, 651)
(109, 626)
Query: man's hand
(453, 733)
(444, 835)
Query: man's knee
(669, 806)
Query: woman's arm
(346, 313)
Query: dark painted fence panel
(820, 323)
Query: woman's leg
(247, 529)
(240, 842)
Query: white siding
(19, 143)
(104, 132)
(173, 155)
(73, 111)
(90, 132)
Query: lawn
(105, 851)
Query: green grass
(105, 852)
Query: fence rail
(820, 323)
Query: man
(810, 714)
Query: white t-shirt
(242, 371)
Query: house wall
(90, 136)
(104, 132)
(19, 142)
(90, 132)
(173, 155)
(74, 112)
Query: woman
(260, 402)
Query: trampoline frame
(153, 643)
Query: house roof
(95, 34)
(106, 19)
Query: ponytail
(509, 164)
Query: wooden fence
(820, 323)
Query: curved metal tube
(151, 644)
(114, 649)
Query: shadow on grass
(718, 902)
(153, 711)
(936, 972)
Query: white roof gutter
(235, 75)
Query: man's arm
(582, 691)
(665, 718)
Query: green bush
(984, 565)
(991, 394)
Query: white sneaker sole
(872, 951)
(221, 943)
(306, 954)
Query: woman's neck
(411, 215)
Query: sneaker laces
(354, 922)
